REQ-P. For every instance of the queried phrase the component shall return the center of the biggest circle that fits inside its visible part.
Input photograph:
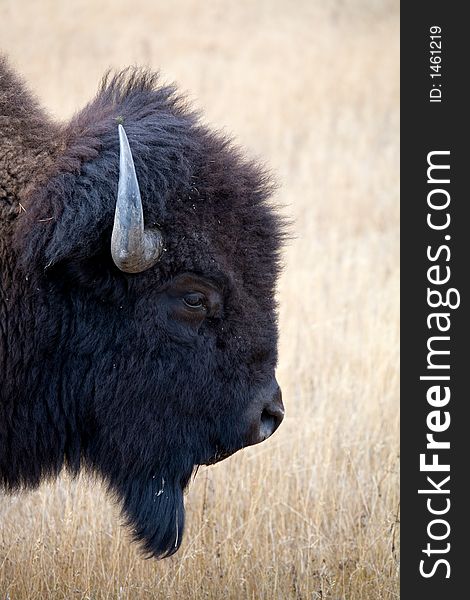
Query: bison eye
(195, 301)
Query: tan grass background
(312, 87)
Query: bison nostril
(267, 425)
(263, 424)
(271, 418)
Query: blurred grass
(313, 88)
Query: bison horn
(133, 248)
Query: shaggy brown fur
(29, 140)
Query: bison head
(142, 301)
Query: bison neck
(34, 430)
(38, 402)
(28, 141)
(39, 420)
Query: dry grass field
(311, 87)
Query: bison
(139, 253)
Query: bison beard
(133, 361)
(151, 499)
(154, 511)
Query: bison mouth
(219, 456)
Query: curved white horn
(134, 249)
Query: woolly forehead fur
(210, 202)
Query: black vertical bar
(430, 126)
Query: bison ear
(133, 247)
